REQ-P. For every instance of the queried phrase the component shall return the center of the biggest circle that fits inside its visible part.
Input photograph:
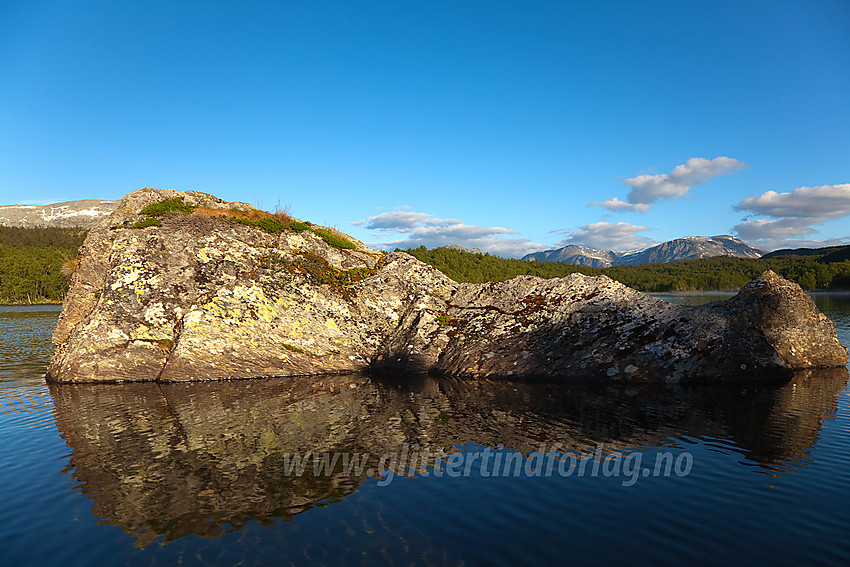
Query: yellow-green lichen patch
(126, 275)
(266, 313)
(217, 306)
(254, 296)
(143, 333)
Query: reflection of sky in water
(25, 339)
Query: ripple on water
(24, 353)
(26, 406)
(26, 347)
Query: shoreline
(59, 303)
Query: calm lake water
(497, 473)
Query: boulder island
(182, 286)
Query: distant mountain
(680, 249)
(578, 255)
(464, 249)
(692, 248)
(70, 214)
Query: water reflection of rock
(204, 458)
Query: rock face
(203, 297)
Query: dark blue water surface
(202, 474)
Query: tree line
(828, 269)
(32, 261)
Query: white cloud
(793, 214)
(647, 189)
(773, 237)
(617, 236)
(822, 202)
(404, 220)
(774, 229)
(423, 229)
(616, 205)
(804, 243)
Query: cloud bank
(786, 217)
(404, 228)
(648, 189)
(616, 236)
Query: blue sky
(508, 126)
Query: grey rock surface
(206, 298)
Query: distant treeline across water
(813, 269)
(36, 264)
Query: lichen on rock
(205, 297)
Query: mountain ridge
(85, 213)
(676, 250)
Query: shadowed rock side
(169, 460)
(205, 298)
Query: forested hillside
(35, 263)
(811, 271)
(823, 255)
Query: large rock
(206, 298)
